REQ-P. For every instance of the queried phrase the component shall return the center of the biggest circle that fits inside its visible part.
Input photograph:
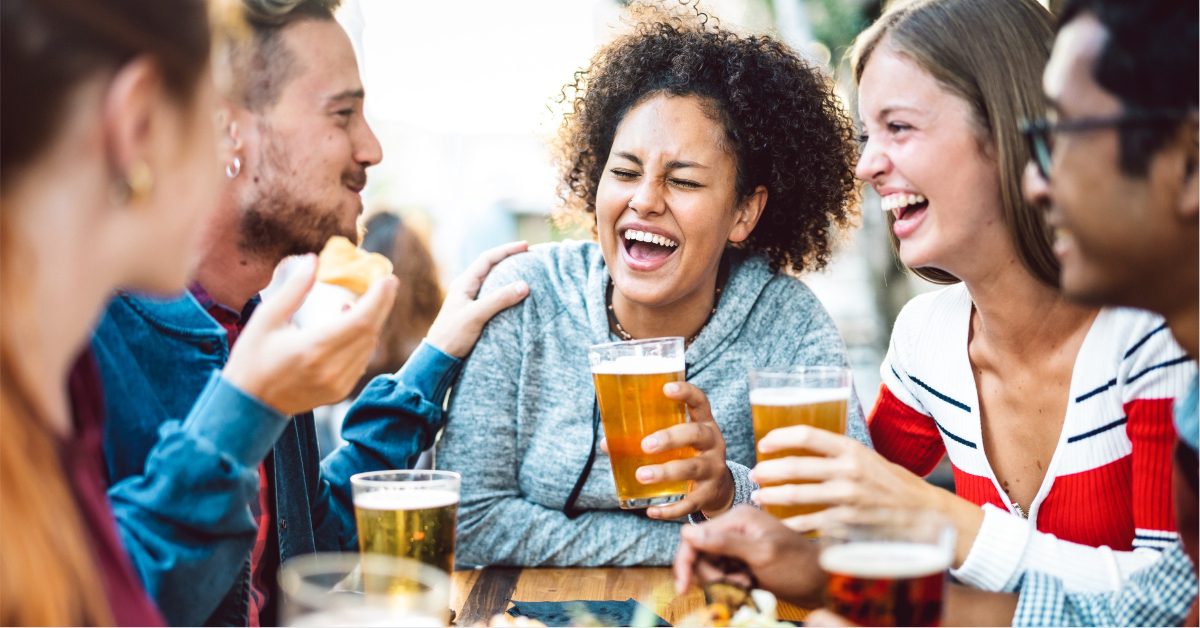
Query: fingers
(700, 436)
(493, 303)
(693, 397)
(685, 559)
(822, 617)
(283, 304)
(797, 469)
(472, 278)
(833, 492)
(695, 468)
(604, 444)
(677, 510)
(819, 441)
(366, 317)
(821, 519)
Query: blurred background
(464, 96)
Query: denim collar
(180, 315)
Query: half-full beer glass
(805, 395)
(410, 514)
(629, 379)
(889, 570)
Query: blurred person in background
(109, 167)
(710, 165)
(177, 386)
(1056, 416)
(416, 306)
(1116, 163)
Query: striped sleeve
(1154, 371)
(901, 430)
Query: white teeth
(653, 238)
(892, 202)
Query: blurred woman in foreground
(109, 166)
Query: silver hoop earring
(234, 169)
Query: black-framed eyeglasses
(1041, 132)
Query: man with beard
(210, 443)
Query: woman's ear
(130, 113)
(748, 211)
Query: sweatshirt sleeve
(1007, 547)
(394, 419)
(497, 525)
(185, 520)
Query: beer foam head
(882, 559)
(796, 396)
(402, 499)
(639, 365)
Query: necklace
(614, 325)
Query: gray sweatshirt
(520, 423)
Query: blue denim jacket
(183, 447)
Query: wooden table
(476, 595)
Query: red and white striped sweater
(1104, 507)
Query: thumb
(279, 309)
(492, 303)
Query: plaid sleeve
(1159, 595)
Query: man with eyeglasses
(1115, 166)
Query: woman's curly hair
(784, 125)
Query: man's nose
(1035, 187)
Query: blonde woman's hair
(991, 54)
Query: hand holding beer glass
(818, 396)
(629, 378)
(409, 514)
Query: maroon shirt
(83, 463)
(262, 560)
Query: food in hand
(343, 264)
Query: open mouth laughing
(645, 248)
(908, 209)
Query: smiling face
(924, 157)
(666, 204)
(307, 153)
(1120, 238)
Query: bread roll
(343, 264)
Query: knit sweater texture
(520, 417)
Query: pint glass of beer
(805, 395)
(410, 514)
(890, 570)
(629, 378)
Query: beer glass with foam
(629, 378)
(805, 395)
(888, 569)
(409, 513)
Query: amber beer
(816, 396)
(629, 378)
(886, 583)
(410, 514)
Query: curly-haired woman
(708, 163)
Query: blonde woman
(1056, 416)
